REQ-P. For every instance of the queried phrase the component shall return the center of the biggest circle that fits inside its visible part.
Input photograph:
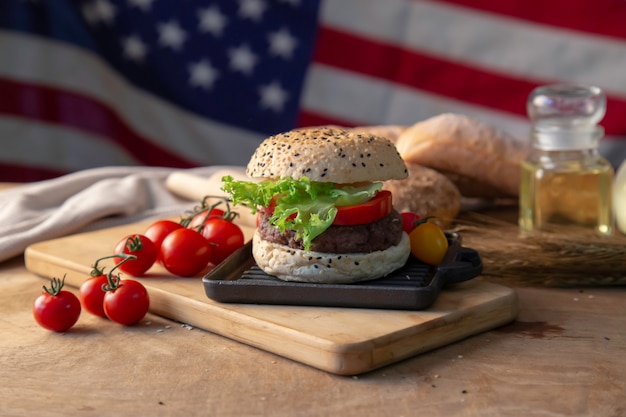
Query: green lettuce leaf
(307, 207)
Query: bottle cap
(566, 116)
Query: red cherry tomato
(367, 212)
(91, 291)
(409, 221)
(428, 243)
(56, 309)
(141, 247)
(224, 236)
(91, 294)
(198, 220)
(127, 303)
(185, 252)
(157, 231)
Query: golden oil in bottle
(564, 180)
(619, 198)
(572, 194)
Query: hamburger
(322, 213)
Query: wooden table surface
(564, 356)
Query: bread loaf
(481, 160)
(427, 193)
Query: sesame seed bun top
(327, 155)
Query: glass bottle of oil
(619, 198)
(564, 180)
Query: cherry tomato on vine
(157, 231)
(127, 302)
(91, 291)
(91, 294)
(225, 238)
(185, 252)
(142, 248)
(56, 309)
(410, 221)
(428, 243)
(198, 220)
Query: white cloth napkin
(87, 200)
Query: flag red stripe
(604, 17)
(26, 173)
(307, 118)
(438, 76)
(421, 71)
(68, 109)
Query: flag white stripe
(484, 40)
(358, 99)
(57, 64)
(56, 148)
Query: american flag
(184, 83)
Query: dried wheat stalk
(558, 257)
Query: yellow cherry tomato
(428, 243)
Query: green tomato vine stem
(97, 271)
(229, 213)
(113, 282)
(56, 285)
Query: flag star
(212, 20)
(203, 74)
(282, 43)
(252, 9)
(144, 5)
(273, 96)
(89, 13)
(99, 10)
(171, 35)
(106, 11)
(134, 48)
(242, 59)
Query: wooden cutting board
(344, 341)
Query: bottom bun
(291, 264)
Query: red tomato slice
(369, 211)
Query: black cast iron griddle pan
(415, 286)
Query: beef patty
(363, 238)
